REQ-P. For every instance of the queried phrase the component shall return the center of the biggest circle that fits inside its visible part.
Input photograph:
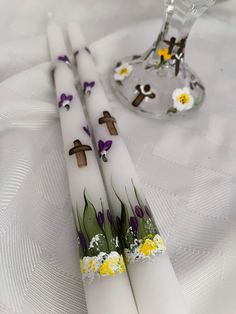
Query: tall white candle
(153, 280)
(105, 279)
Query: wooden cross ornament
(144, 93)
(79, 151)
(109, 121)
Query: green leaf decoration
(171, 110)
(80, 220)
(147, 67)
(94, 232)
(124, 217)
(124, 212)
(111, 240)
(75, 214)
(130, 204)
(141, 231)
(80, 228)
(118, 64)
(129, 237)
(119, 83)
(149, 226)
(138, 197)
(136, 57)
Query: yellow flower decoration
(122, 71)
(91, 265)
(164, 53)
(108, 266)
(121, 265)
(112, 265)
(148, 247)
(183, 100)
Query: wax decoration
(101, 262)
(153, 280)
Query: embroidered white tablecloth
(188, 167)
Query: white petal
(118, 77)
(122, 66)
(178, 106)
(176, 93)
(186, 90)
(130, 68)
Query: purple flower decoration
(100, 218)
(134, 224)
(86, 130)
(82, 241)
(64, 59)
(65, 101)
(88, 87)
(139, 212)
(148, 212)
(109, 216)
(118, 224)
(103, 147)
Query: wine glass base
(168, 95)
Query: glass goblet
(159, 83)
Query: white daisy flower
(122, 71)
(183, 100)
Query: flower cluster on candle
(98, 242)
(139, 234)
(103, 265)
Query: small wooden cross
(79, 151)
(144, 92)
(110, 122)
(179, 55)
(171, 43)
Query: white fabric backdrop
(188, 167)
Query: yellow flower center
(164, 53)
(110, 266)
(91, 264)
(147, 247)
(184, 99)
(124, 71)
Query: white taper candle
(152, 277)
(105, 279)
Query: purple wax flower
(82, 241)
(86, 130)
(109, 216)
(100, 218)
(148, 212)
(103, 147)
(65, 101)
(88, 87)
(64, 59)
(134, 224)
(139, 212)
(118, 224)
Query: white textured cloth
(187, 166)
